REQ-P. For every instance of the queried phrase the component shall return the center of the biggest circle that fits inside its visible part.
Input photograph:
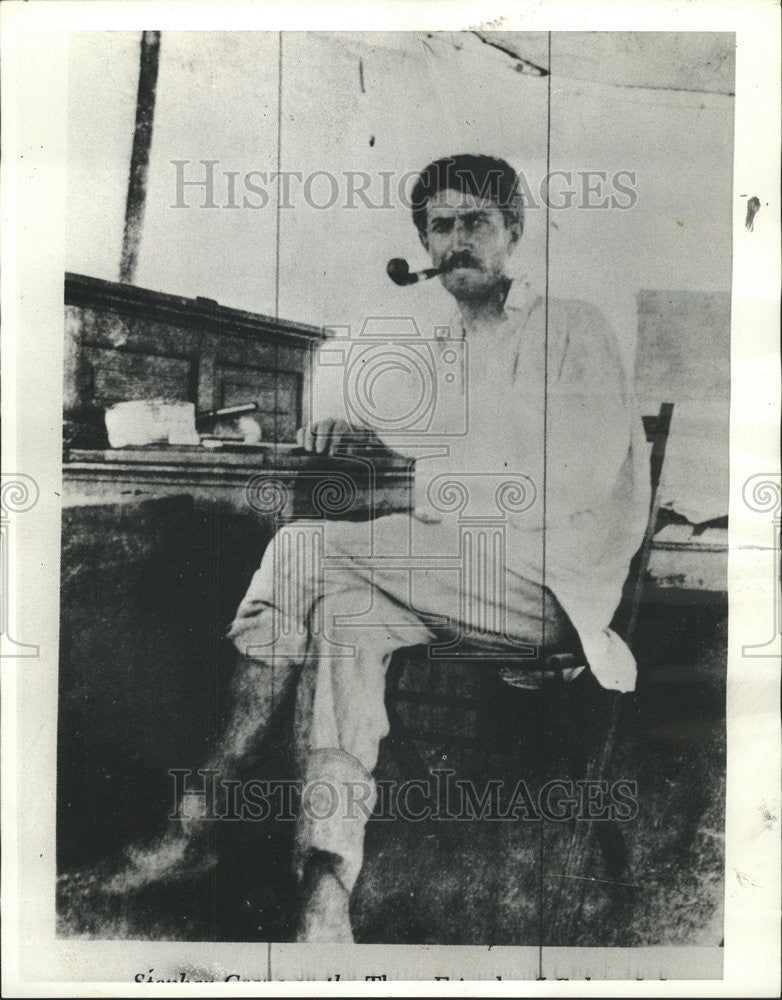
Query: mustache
(463, 258)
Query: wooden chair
(406, 693)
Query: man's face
(468, 236)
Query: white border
(32, 193)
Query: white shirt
(535, 422)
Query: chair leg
(597, 739)
(399, 741)
(587, 716)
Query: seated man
(550, 408)
(550, 464)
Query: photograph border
(32, 189)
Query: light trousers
(330, 603)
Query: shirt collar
(521, 298)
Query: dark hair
(470, 174)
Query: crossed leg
(328, 607)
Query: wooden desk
(280, 483)
(124, 342)
(158, 548)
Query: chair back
(657, 427)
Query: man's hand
(337, 437)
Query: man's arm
(592, 412)
(598, 457)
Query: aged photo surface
(393, 595)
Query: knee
(329, 613)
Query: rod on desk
(226, 411)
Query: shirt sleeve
(597, 459)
